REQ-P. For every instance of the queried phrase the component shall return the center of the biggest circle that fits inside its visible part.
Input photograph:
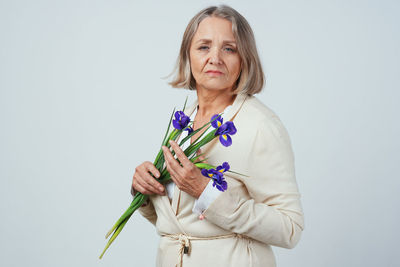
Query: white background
(83, 102)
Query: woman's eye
(230, 49)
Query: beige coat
(263, 208)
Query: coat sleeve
(149, 212)
(272, 212)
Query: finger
(143, 190)
(133, 190)
(156, 186)
(152, 169)
(172, 164)
(173, 175)
(149, 188)
(180, 154)
(136, 187)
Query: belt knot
(185, 243)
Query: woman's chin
(216, 87)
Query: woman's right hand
(143, 182)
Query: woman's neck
(213, 101)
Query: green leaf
(160, 160)
(165, 136)
(194, 132)
(195, 146)
(169, 126)
(114, 236)
(184, 105)
(202, 165)
(193, 158)
(136, 202)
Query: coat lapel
(228, 116)
(237, 104)
(172, 214)
(181, 199)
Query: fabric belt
(185, 247)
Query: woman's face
(214, 60)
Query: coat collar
(229, 115)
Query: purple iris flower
(223, 168)
(217, 176)
(225, 131)
(216, 121)
(189, 129)
(180, 121)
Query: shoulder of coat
(262, 118)
(258, 111)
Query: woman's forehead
(214, 27)
(207, 41)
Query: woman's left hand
(187, 177)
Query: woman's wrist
(202, 186)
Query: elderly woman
(199, 225)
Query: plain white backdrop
(83, 102)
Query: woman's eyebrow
(207, 41)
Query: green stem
(138, 199)
(114, 236)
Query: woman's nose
(215, 57)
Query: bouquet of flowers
(181, 122)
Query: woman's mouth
(214, 72)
